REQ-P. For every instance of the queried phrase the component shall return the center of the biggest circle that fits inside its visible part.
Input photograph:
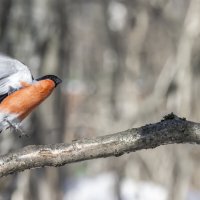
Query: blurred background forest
(123, 64)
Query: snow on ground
(101, 187)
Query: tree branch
(171, 129)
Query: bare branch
(171, 129)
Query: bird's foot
(17, 128)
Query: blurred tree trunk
(36, 32)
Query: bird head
(54, 78)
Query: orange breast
(23, 101)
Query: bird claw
(17, 128)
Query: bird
(20, 92)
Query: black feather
(3, 96)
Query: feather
(12, 73)
(3, 96)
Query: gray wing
(11, 73)
(7, 67)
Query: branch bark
(171, 129)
